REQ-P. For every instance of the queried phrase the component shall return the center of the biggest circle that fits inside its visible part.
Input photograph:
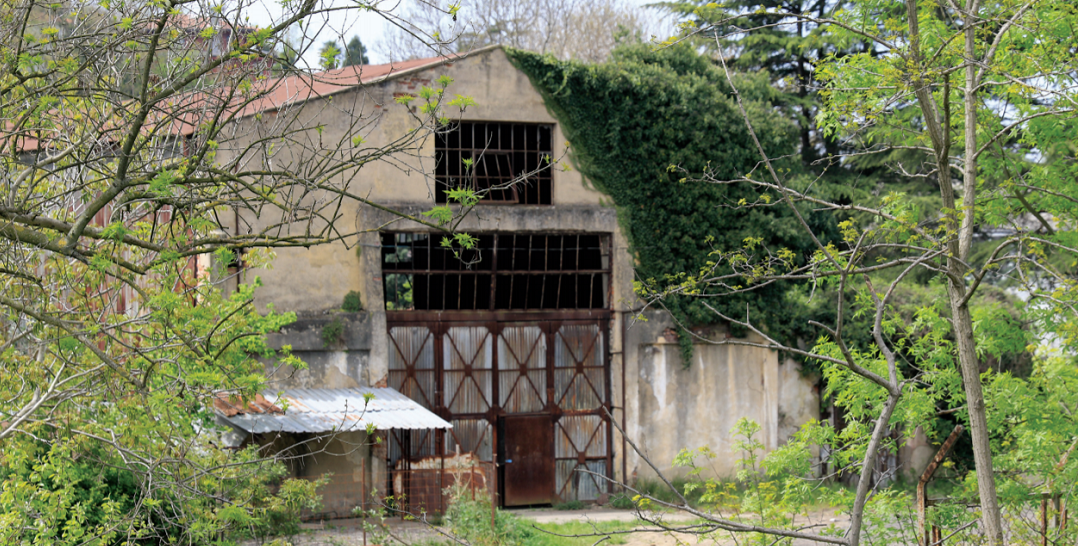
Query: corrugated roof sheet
(327, 410)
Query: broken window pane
(504, 271)
(506, 163)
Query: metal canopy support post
(922, 485)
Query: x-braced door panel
(579, 374)
(473, 436)
(412, 372)
(411, 363)
(468, 361)
(581, 447)
(522, 373)
(477, 373)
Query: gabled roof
(303, 87)
(184, 112)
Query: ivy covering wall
(630, 119)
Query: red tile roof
(183, 111)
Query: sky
(370, 27)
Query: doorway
(527, 458)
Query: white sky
(344, 24)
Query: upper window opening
(507, 163)
(504, 271)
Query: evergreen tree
(355, 53)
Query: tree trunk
(978, 421)
(963, 323)
(868, 466)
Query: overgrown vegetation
(353, 302)
(333, 332)
(629, 120)
(570, 505)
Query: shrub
(570, 505)
(333, 333)
(622, 501)
(469, 521)
(353, 302)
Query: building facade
(531, 345)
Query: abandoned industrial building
(520, 355)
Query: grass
(570, 505)
(662, 492)
(659, 490)
(546, 534)
(593, 529)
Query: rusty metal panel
(411, 445)
(573, 485)
(578, 372)
(472, 436)
(467, 377)
(573, 392)
(528, 459)
(579, 343)
(411, 363)
(522, 369)
(580, 434)
(412, 346)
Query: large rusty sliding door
(545, 376)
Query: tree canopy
(645, 123)
(133, 148)
(355, 53)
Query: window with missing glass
(505, 271)
(506, 163)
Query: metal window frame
(501, 265)
(451, 173)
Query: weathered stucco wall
(670, 407)
(340, 365)
(799, 399)
(317, 278)
(345, 458)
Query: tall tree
(564, 28)
(983, 97)
(993, 84)
(355, 53)
(787, 53)
(128, 161)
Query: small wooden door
(527, 459)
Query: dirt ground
(349, 532)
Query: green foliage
(643, 124)
(353, 302)
(570, 505)
(329, 55)
(622, 501)
(70, 481)
(468, 520)
(333, 332)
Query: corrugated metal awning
(326, 410)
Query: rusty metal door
(528, 459)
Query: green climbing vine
(644, 126)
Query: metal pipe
(363, 493)
(922, 485)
